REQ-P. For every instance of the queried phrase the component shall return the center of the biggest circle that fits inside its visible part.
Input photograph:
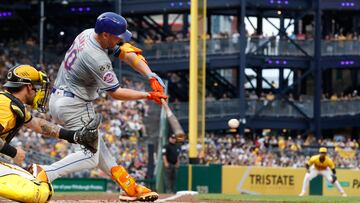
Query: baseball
(233, 123)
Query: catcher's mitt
(87, 136)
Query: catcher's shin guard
(131, 188)
(15, 187)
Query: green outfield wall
(80, 185)
(260, 180)
(205, 179)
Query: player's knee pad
(126, 182)
(15, 187)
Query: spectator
(170, 156)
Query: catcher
(321, 165)
(26, 85)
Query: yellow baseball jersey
(315, 160)
(8, 117)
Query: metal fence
(266, 46)
(276, 108)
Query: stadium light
(347, 63)
(6, 14)
(277, 62)
(180, 4)
(80, 9)
(347, 4)
(279, 2)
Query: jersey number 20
(71, 57)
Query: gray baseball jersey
(86, 68)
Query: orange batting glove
(156, 96)
(156, 83)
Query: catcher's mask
(28, 75)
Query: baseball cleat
(144, 194)
(123, 197)
(148, 197)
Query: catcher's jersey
(315, 160)
(86, 68)
(8, 117)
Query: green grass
(278, 198)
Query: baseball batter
(321, 165)
(85, 70)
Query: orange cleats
(144, 194)
(123, 197)
(134, 191)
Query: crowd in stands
(274, 151)
(123, 127)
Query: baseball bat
(173, 121)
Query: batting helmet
(114, 24)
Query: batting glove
(156, 96)
(156, 83)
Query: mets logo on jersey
(109, 77)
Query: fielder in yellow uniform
(321, 165)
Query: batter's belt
(66, 94)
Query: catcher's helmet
(28, 75)
(114, 24)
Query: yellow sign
(262, 180)
(349, 181)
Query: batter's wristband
(9, 150)
(67, 135)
